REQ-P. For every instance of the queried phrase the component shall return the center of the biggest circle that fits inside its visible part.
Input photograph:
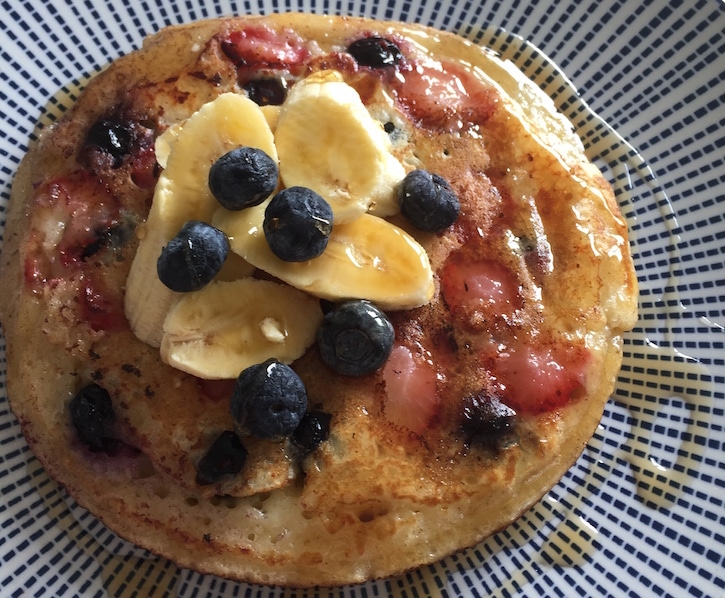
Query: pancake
(496, 379)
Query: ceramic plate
(642, 512)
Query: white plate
(642, 511)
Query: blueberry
(427, 201)
(355, 338)
(268, 401)
(313, 430)
(267, 91)
(226, 456)
(193, 257)
(375, 52)
(486, 419)
(111, 137)
(91, 412)
(297, 224)
(243, 177)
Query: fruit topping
(226, 327)
(243, 177)
(328, 141)
(486, 419)
(91, 411)
(540, 378)
(355, 338)
(472, 285)
(368, 258)
(182, 193)
(226, 456)
(268, 401)
(266, 91)
(427, 201)
(100, 307)
(111, 137)
(193, 257)
(376, 52)
(313, 430)
(297, 224)
(219, 167)
(262, 48)
(411, 395)
(444, 96)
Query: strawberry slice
(262, 48)
(483, 285)
(101, 309)
(539, 378)
(73, 217)
(88, 210)
(410, 384)
(443, 96)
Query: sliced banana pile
(182, 194)
(324, 139)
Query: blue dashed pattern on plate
(642, 512)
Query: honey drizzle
(683, 382)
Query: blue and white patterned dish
(642, 513)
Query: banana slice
(182, 194)
(368, 258)
(225, 327)
(234, 268)
(327, 141)
(271, 113)
(164, 143)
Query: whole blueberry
(375, 51)
(427, 201)
(226, 456)
(268, 401)
(313, 430)
(91, 411)
(193, 257)
(355, 338)
(297, 224)
(243, 177)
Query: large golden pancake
(492, 389)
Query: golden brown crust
(375, 499)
